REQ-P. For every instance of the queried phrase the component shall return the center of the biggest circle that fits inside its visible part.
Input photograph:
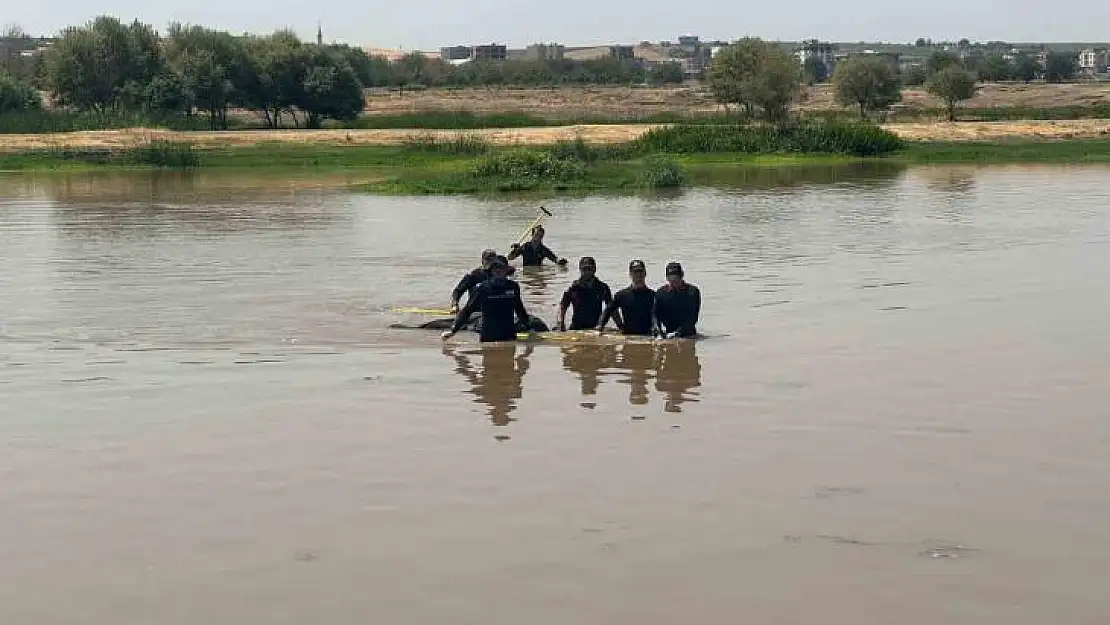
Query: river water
(899, 416)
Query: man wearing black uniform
(631, 308)
(473, 278)
(677, 305)
(533, 252)
(498, 299)
(588, 295)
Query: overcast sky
(429, 24)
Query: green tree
(757, 76)
(996, 68)
(103, 64)
(941, 60)
(867, 82)
(273, 79)
(1026, 68)
(331, 89)
(16, 95)
(210, 63)
(666, 73)
(167, 94)
(952, 85)
(915, 76)
(815, 71)
(1060, 66)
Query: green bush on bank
(810, 136)
(530, 167)
(162, 153)
(661, 172)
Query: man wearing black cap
(677, 305)
(588, 295)
(498, 299)
(631, 308)
(533, 252)
(473, 278)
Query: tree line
(764, 80)
(107, 66)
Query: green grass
(663, 159)
(1011, 151)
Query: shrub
(162, 153)
(811, 136)
(17, 96)
(530, 165)
(661, 173)
(462, 145)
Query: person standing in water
(588, 295)
(498, 299)
(632, 307)
(534, 252)
(677, 305)
(473, 278)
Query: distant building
(490, 52)
(622, 53)
(817, 50)
(454, 53)
(690, 43)
(545, 52)
(1094, 60)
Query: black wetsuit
(471, 280)
(677, 309)
(635, 306)
(588, 300)
(532, 254)
(499, 301)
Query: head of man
(675, 274)
(499, 266)
(587, 267)
(537, 234)
(637, 271)
(487, 256)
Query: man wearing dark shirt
(677, 305)
(473, 278)
(588, 295)
(499, 301)
(533, 252)
(631, 308)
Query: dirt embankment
(595, 102)
(122, 139)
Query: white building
(1094, 60)
(813, 49)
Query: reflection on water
(679, 373)
(587, 360)
(498, 379)
(862, 175)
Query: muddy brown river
(901, 414)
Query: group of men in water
(671, 311)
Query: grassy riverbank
(654, 158)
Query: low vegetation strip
(593, 134)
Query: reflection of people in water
(637, 359)
(679, 372)
(500, 380)
(536, 280)
(587, 360)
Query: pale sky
(429, 24)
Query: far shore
(598, 134)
